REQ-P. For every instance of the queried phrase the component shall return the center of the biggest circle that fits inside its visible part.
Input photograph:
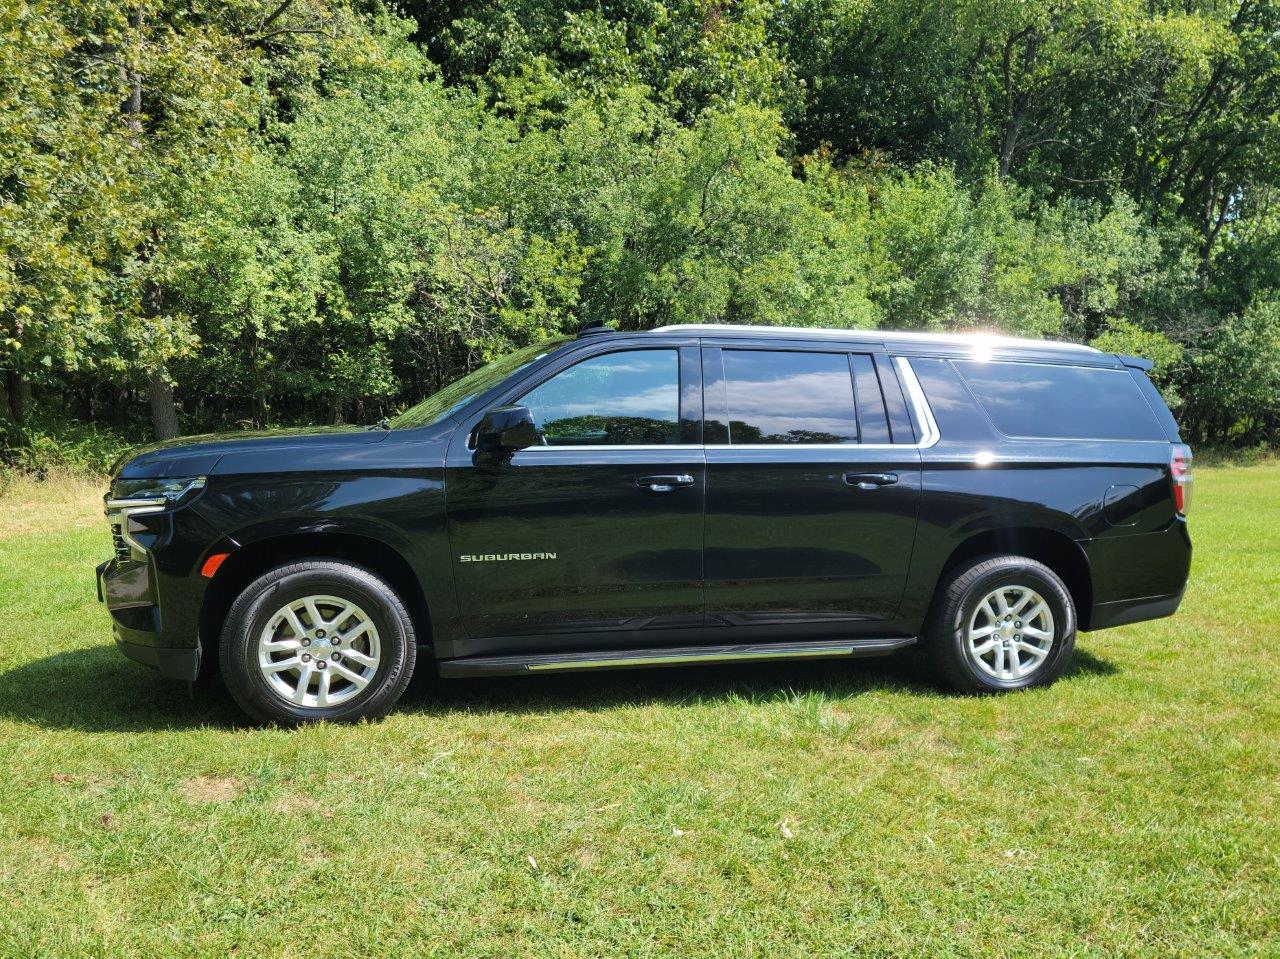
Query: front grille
(117, 540)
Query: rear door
(813, 490)
(595, 538)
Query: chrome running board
(677, 656)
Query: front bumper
(128, 588)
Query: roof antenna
(593, 326)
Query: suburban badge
(502, 557)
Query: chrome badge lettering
(502, 557)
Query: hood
(197, 455)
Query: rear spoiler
(1135, 362)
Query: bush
(49, 444)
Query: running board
(676, 656)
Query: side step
(674, 656)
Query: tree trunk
(15, 392)
(164, 413)
(335, 410)
(6, 408)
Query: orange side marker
(211, 564)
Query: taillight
(1180, 473)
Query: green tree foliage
(298, 210)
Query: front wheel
(317, 639)
(1001, 623)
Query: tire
(958, 631)
(262, 649)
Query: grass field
(1132, 809)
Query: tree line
(222, 214)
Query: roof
(950, 341)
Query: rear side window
(1061, 402)
(618, 399)
(789, 397)
(1157, 404)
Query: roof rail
(991, 340)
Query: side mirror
(506, 429)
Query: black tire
(269, 593)
(956, 602)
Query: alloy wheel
(1010, 633)
(319, 651)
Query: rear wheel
(1001, 623)
(318, 639)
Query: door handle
(664, 484)
(870, 480)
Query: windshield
(456, 395)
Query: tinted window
(780, 397)
(958, 417)
(619, 399)
(1061, 402)
(456, 395)
(1157, 404)
(871, 415)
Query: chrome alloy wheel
(319, 651)
(1010, 633)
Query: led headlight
(159, 492)
(131, 499)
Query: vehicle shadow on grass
(97, 690)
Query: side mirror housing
(506, 429)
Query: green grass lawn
(819, 809)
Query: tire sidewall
(263, 598)
(1012, 573)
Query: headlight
(129, 504)
(157, 491)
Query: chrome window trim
(609, 448)
(922, 415)
(919, 403)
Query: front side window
(453, 397)
(630, 398)
(775, 396)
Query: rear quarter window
(1042, 401)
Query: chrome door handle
(664, 484)
(870, 480)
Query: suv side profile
(691, 494)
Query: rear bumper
(1138, 577)
(1106, 615)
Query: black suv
(692, 494)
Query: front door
(594, 539)
(812, 497)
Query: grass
(1129, 810)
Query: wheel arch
(246, 563)
(1055, 549)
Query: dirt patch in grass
(212, 789)
(293, 803)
